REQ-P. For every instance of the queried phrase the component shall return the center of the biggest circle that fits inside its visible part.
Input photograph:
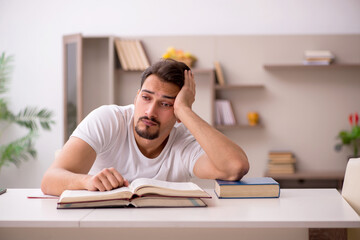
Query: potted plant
(352, 137)
(18, 150)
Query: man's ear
(137, 94)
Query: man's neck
(150, 148)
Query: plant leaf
(18, 150)
(345, 137)
(355, 133)
(5, 71)
(30, 118)
(21, 149)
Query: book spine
(136, 55)
(121, 54)
(219, 73)
(144, 58)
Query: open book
(142, 192)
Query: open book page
(144, 186)
(143, 182)
(85, 195)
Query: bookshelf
(221, 93)
(226, 117)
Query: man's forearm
(225, 155)
(57, 180)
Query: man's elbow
(49, 184)
(239, 170)
(44, 185)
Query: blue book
(261, 187)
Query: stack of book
(281, 162)
(132, 55)
(224, 113)
(320, 57)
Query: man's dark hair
(168, 70)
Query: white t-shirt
(109, 131)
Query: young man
(157, 137)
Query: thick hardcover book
(141, 192)
(262, 187)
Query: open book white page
(86, 193)
(143, 182)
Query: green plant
(350, 137)
(21, 149)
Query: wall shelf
(310, 179)
(194, 70)
(237, 87)
(301, 66)
(229, 127)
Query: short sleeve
(100, 128)
(189, 149)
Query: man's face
(154, 108)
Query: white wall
(32, 31)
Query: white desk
(295, 210)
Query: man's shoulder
(181, 132)
(115, 109)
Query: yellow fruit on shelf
(166, 55)
(180, 55)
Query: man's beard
(146, 133)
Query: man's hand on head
(105, 180)
(186, 96)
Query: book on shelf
(287, 168)
(127, 54)
(282, 159)
(142, 192)
(224, 113)
(132, 55)
(316, 63)
(136, 55)
(280, 155)
(219, 74)
(121, 54)
(318, 57)
(260, 187)
(144, 59)
(318, 54)
(281, 162)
